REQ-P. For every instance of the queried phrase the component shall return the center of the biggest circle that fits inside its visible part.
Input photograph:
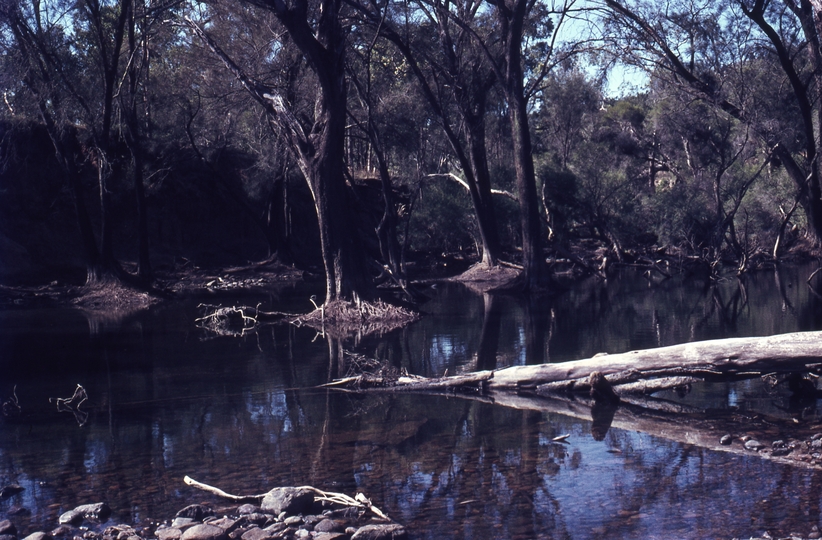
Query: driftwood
(359, 501)
(616, 389)
(643, 371)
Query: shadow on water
(167, 400)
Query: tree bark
(511, 22)
(320, 147)
(473, 160)
(721, 358)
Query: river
(167, 399)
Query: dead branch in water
(644, 371)
(359, 501)
(235, 321)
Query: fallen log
(633, 375)
(799, 351)
(670, 367)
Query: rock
(10, 490)
(381, 532)
(328, 525)
(8, 528)
(204, 531)
(753, 444)
(168, 533)
(197, 512)
(816, 444)
(38, 536)
(18, 511)
(293, 521)
(96, 511)
(726, 440)
(783, 451)
(72, 517)
(63, 531)
(257, 519)
(257, 534)
(246, 509)
(330, 536)
(275, 528)
(182, 522)
(227, 524)
(302, 533)
(290, 500)
(7, 537)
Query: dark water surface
(167, 400)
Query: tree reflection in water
(242, 414)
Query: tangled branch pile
(341, 318)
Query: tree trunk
(721, 358)
(322, 152)
(473, 162)
(512, 20)
(320, 147)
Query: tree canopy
(366, 141)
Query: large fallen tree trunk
(614, 381)
(643, 371)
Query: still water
(168, 400)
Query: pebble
(753, 444)
(288, 514)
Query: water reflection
(166, 401)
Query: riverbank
(287, 513)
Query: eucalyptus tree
(317, 137)
(455, 79)
(714, 51)
(74, 60)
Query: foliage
(104, 100)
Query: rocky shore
(285, 513)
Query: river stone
(38, 536)
(225, 523)
(168, 533)
(204, 531)
(726, 440)
(293, 521)
(63, 531)
(247, 509)
(289, 500)
(197, 512)
(381, 532)
(7, 527)
(753, 444)
(72, 517)
(17, 510)
(96, 511)
(328, 525)
(274, 528)
(257, 518)
(8, 537)
(330, 536)
(257, 534)
(9, 490)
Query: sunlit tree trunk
(511, 19)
